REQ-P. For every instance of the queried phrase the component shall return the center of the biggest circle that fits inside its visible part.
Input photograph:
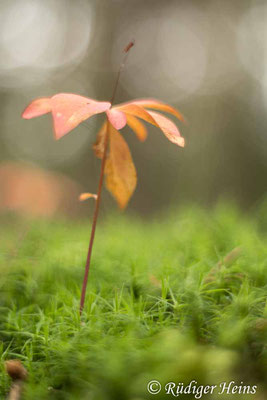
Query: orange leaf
(116, 118)
(37, 107)
(136, 111)
(68, 110)
(137, 127)
(120, 170)
(158, 105)
(166, 125)
(168, 128)
(100, 141)
(85, 196)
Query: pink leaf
(116, 118)
(168, 128)
(37, 107)
(68, 110)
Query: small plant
(69, 110)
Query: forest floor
(176, 299)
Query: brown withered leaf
(120, 170)
(100, 141)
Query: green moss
(165, 301)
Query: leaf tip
(36, 108)
(85, 196)
(181, 142)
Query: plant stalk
(100, 184)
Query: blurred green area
(176, 299)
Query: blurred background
(208, 58)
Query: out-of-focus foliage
(176, 299)
(31, 191)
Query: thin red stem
(100, 185)
(97, 204)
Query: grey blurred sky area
(208, 58)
